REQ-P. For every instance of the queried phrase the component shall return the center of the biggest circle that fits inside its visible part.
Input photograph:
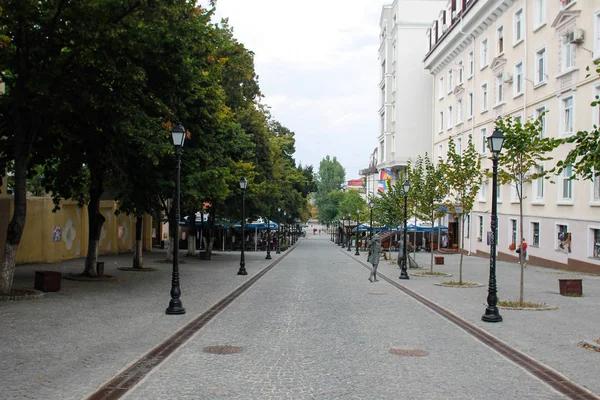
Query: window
(567, 183)
(518, 84)
(480, 234)
(513, 231)
(596, 253)
(499, 89)
(538, 184)
(459, 146)
(441, 121)
(450, 111)
(459, 111)
(518, 35)
(535, 238)
(597, 35)
(596, 187)
(540, 114)
(440, 151)
(482, 190)
(471, 64)
(460, 73)
(596, 110)
(470, 104)
(483, 140)
(441, 89)
(567, 117)
(568, 56)
(499, 193)
(468, 225)
(540, 66)
(500, 40)
(483, 62)
(450, 81)
(563, 236)
(484, 97)
(539, 13)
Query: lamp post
(349, 233)
(371, 205)
(278, 230)
(243, 185)
(403, 273)
(287, 228)
(175, 305)
(495, 143)
(268, 257)
(343, 233)
(357, 225)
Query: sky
(317, 62)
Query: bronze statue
(373, 258)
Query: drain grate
(408, 352)
(377, 293)
(226, 349)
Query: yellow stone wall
(53, 237)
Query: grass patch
(434, 273)
(461, 284)
(516, 304)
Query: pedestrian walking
(522, 250)
(373, 258)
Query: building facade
(405, 87)
(521, 58)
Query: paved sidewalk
(68, 343)
(550, 337)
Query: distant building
(405, 106)
(521, 58)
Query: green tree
(433, 191)
(462, 172)
(330, 178)
(415, 178)
(584, 157)
(521, 160)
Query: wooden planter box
(438, 260)
(570, 287)
(47, 281)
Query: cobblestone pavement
(315, 328)
(312, 328)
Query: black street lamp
(403, 273)
(175, 305)
(349, 233)
(495, 143)
(357, 225)
(278, 230)
(243, 185)
(371, 205)
(343, 233)
(268, 257)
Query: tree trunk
(521, 257)
(191, 239)
(211, 233)
(96, 219)
(138, 261)
(169, 251)
(14, 231)
(462, 246)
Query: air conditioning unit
(454, 15)
(507, 77)
(578, 36)
(444, 27)
(575, 36)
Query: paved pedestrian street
(311, 327)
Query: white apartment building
(520, 58)
(405, 101)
